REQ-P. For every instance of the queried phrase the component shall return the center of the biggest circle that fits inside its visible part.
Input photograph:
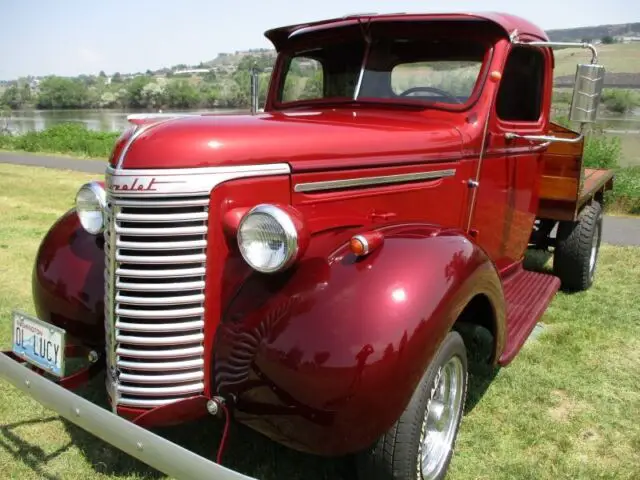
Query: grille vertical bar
(155, 248)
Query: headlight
(269, 238)
(91, 203)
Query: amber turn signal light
(365, 243)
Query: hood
(307, 140)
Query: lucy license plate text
(39, 343)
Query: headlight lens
(268, 238)
(91, 203)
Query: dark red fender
(325, 358)
(68, 281)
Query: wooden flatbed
(566, 186)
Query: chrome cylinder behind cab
(587, 91)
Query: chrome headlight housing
(91, 205)
(269, 238)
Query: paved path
(87, 166)
(616, 230)
(621, 230)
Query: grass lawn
(567, 407)
(630, 149)
(617, 58)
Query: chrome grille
(155, 249)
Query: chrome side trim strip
(160, 453)
(372, 181)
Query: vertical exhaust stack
(255, 89)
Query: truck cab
(311, 268)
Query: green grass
(625, 198)
(617, 58)
(66, 138)
(567, 407)
(630, 149)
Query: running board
(527, 295)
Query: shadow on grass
(32, 456)
(538, 261)
(479, 344)
(246, 452)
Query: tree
(25, 93)
(135, 97)
(210, 76)
(107, 100)
(117, 78)
(12, 98)
(58, 92)
(231, 95)
(608, 40)
(181, 94)
(102, 74)
(313, 87)
(209, 94)
(153, 95)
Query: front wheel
(420, 444)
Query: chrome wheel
(594, 249)
(441, 419)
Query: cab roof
(507, 23)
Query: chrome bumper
(159, 453)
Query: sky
(70, 37)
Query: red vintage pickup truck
(310, 269)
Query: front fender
(325, 359)
(68, 280)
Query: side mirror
(587, 91)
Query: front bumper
(159, 453)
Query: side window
(304, 80)
(522, 86)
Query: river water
(22, 121)
(626, 127)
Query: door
(507, 196)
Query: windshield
(403, 70)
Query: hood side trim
(373, 181)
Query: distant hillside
(235, 58)
(595, 32)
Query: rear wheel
(577, 247)
(420, 444)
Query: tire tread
(394, 455)
(573, 249)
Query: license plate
(39, 343)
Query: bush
(625, 196)
(601, 151)
(619, 101)
(64, 138)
